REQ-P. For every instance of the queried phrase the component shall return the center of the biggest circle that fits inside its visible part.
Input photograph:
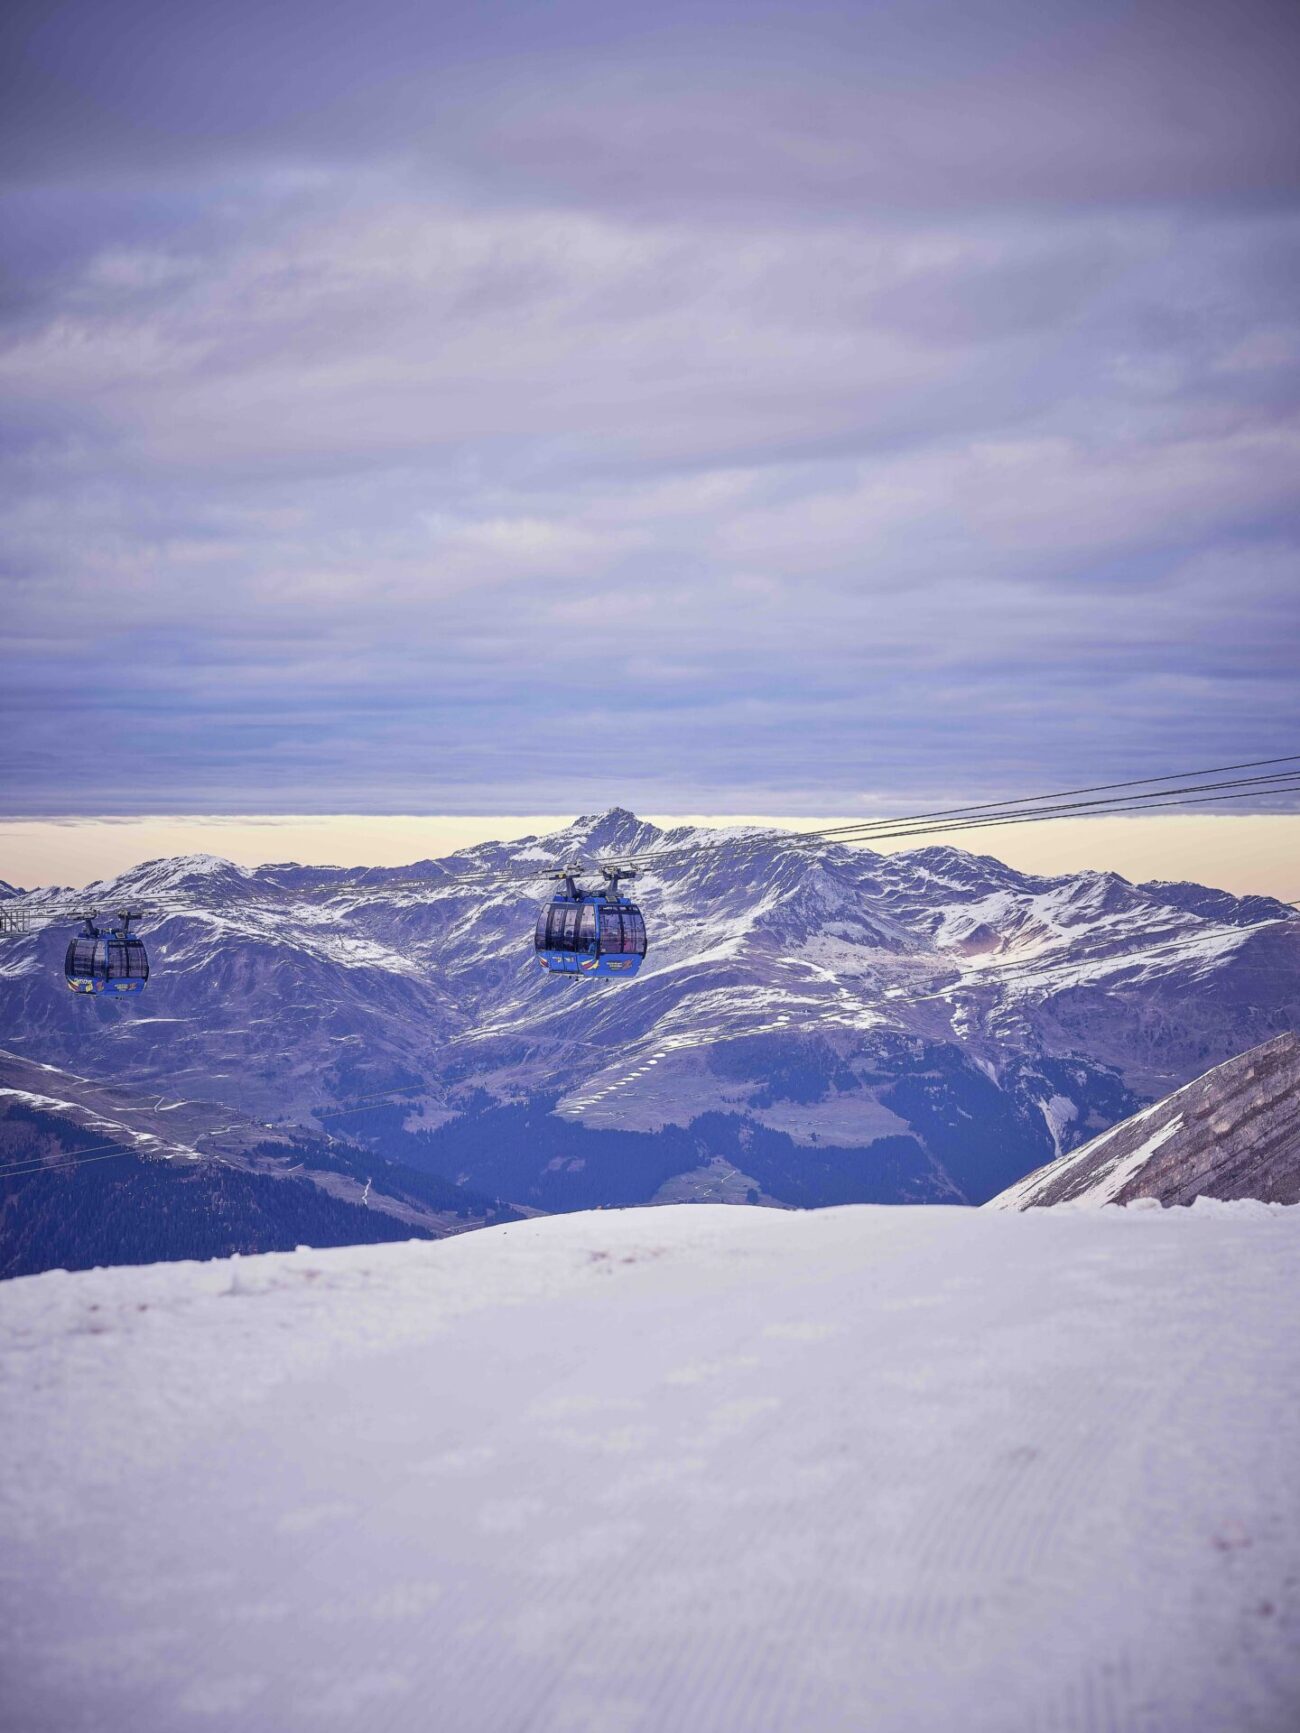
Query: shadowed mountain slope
(92, 1175)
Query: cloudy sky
(706, 407)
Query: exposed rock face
(1234, 1133)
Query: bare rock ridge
(1233, 1133)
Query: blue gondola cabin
(590, 934)
(106, 962)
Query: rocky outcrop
(1234, 1133)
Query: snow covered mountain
(813, 1025)
(672, 1471)
(1234, 1133)
(91, 1174)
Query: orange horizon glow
(1243, 853)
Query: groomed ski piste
(677, 1470)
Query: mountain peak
(194, 864)
(617, 829)
(190, 872)
(1215, 905)
(961, 869)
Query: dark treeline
(399, 1179)
(532, 1155)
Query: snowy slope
(813, 1024)
(695, 1468)
(1234, 1133)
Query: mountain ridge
(836, 999)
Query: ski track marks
(896, 1470)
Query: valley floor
(680, 1470)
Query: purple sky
(703, 407)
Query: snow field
(878, 1470)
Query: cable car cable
(1133, 804)
(884, 829)
(1061, 794)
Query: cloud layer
(739, 408)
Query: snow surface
(731, 1470)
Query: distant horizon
(1246, 854)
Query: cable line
(888, 828)
(1131, 803)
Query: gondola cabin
(106, 962)
(590, 934)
